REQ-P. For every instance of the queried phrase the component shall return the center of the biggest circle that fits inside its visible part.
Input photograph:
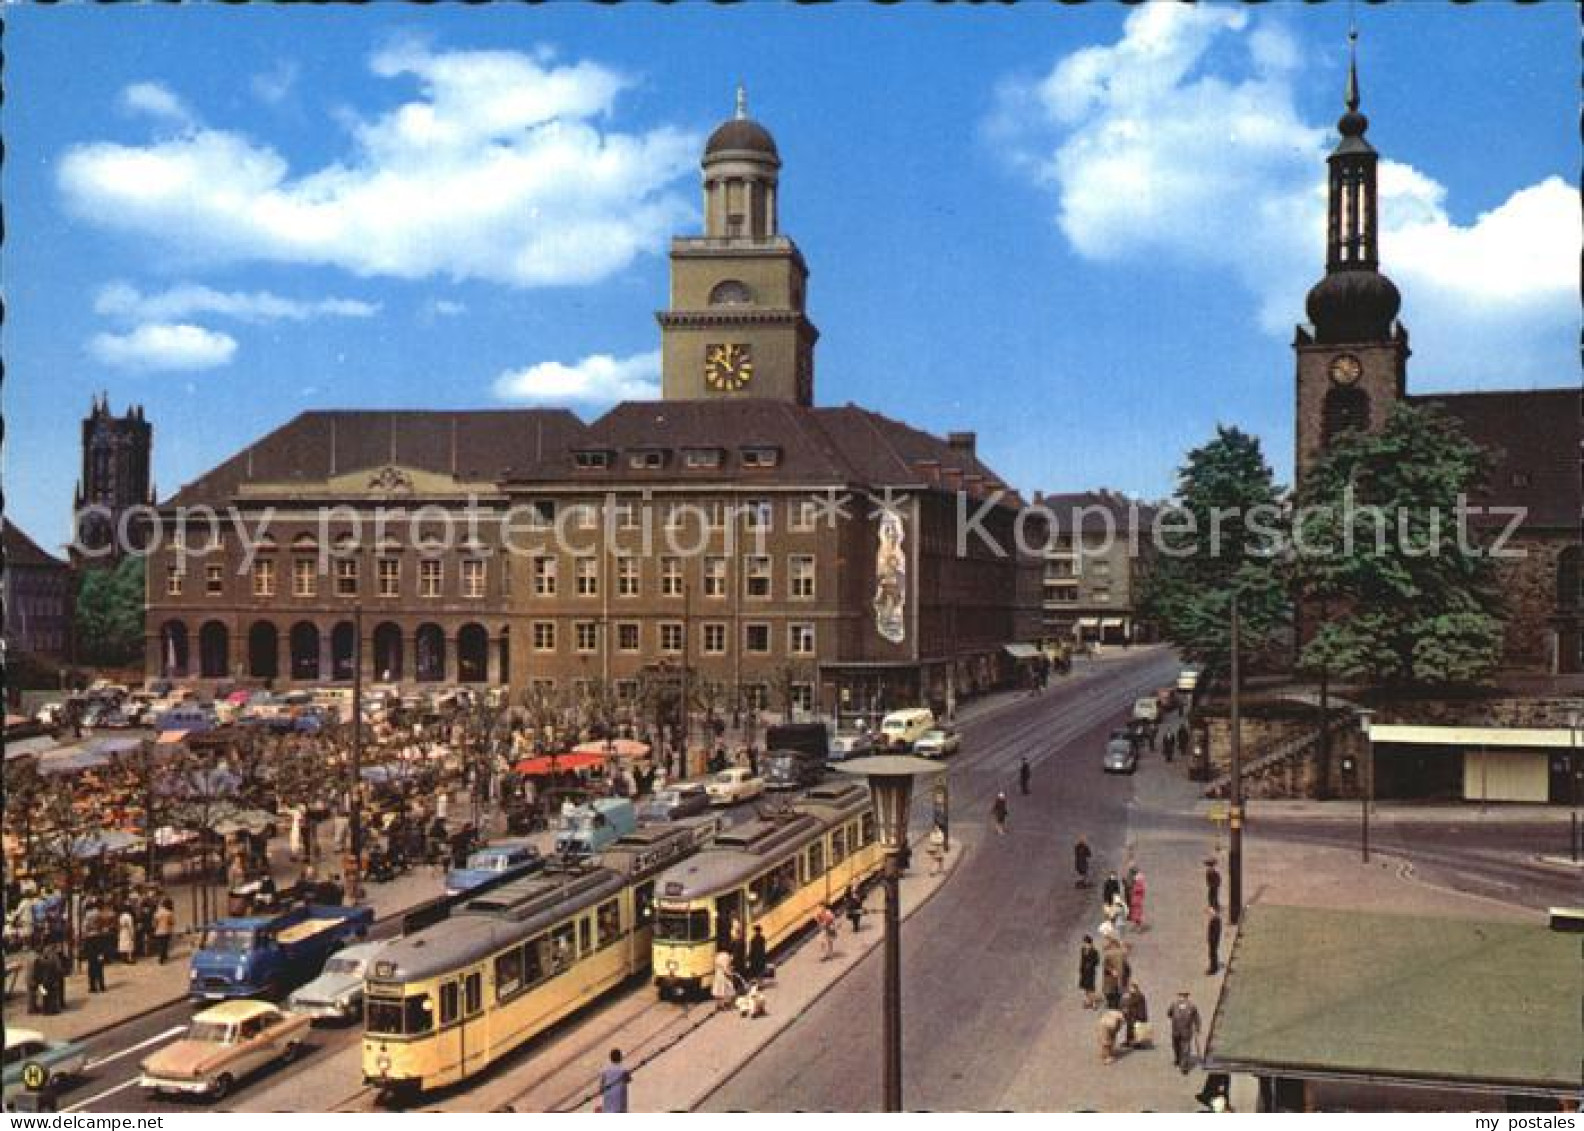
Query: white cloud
(502, 168)
(121, 300)
(163, 345)
(271, 87)
(597, 379)
(1182, 142)
(157, 102)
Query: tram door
(448, 1037)
(728, 910)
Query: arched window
(305, 651)
(263, 650)
(387, 652)
(343, 650)
(472, 654)
(173, 649)
(730, 292)
(214, 642)
(1347, 409)
(431, 647)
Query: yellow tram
(451, 999)
(773, 874)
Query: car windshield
(682, 926)
(934, 735)
(665, 797)
(214, 1032)
(227, 940)
(353, 966)
(726, 777)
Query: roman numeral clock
(728, 367)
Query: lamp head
(890, 778)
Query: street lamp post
(1235, 800)
(1368, 793)
(354, 881)
(891, 788)
(1575, 721)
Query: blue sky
(1085, 232)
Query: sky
(1084, 232)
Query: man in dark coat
(756, 953)
(1081, 856)
(1212, 884)
(1110, 889)
(1023, 776)
(1184, 1018)
(1213, 938)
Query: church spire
(1352, 96)
(742, 103)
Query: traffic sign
(35, 1077)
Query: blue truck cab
(266, 956)
(586, 829)
(508, 858)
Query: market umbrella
(620, 747)
(573, 761)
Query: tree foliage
(1381, 543)
(1223, 535)
(109, 613)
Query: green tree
(110, 612)
(1380, 544)
(1224, 534)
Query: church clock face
(728, 367)
(1345, 369)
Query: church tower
(737, 324)
(116, 455)
(1353, 358)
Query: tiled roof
(1533, 439)
(481, 445)
(20, 550)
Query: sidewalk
(1410, 812)
(146, 985)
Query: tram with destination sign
(772, 873)
(449, 1000)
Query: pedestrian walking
(937, 850)
(299, 847)
(1184, 1018)
(1135, 1008)
(721, 988)
(756, 954)
(96, 944)
(126, 936)
(613, 1081)
(1106, 1029)
(855, 908)
(998, 813)
(1024, 774)
(1213, 938)
(164, 928)
(1169, 744)
(1081, 857)
(826, 920)
(1088, 967)
(1136, 902)
(1113, 972)
(1212, 884)
(1110, 889)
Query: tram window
(867, 835)
(473, 993)
(533, 961)
(682, 926)
(508, 973)
(562, 948)
(585, 935)
(643, 903)
(608, 919)
(838, 847)
(816, 859)
(773, 888)
(384, 1015)
(448, 1003)
(419, 1014)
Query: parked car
(509, 858)
(1121, 753)
(731, 786)
(685, 799)
(223, 1045)
(114, 718)
(1146, 709)
(793, 769)
(591, 827)
(257, 956)
(812, 739)
(337, 993)
(938, 742)
(853, 744)
(61, 1059)
(901, 729)
(50, 714)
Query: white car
(1146, 710)
(937, 742)
(731, 786)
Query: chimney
(963, 442)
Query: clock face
(728, 367)
(1345, 369)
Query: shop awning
(171, 737)
(1527, 737)
(1088, 622)
(620, 747)
(71, 760)
(563, 762)
(1022, 651)
(1112, 622)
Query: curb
(790, 1019)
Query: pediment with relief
(389, 481)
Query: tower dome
(741, 136)
(1353, 306)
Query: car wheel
(289, 1053)
(222, 1086)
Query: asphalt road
(978, 975)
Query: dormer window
(591, 459)
(761, 457)
(651, 459)
(701, 458)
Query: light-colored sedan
(58, 1059)
(337, 993)
(223, 1045)
(731, 786)
(937, 742)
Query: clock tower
(1353, 357)
(737, 324)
